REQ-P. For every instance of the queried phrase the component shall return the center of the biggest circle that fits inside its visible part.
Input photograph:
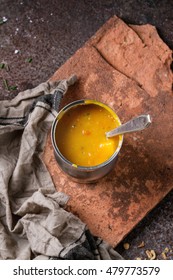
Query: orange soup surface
(80, 135)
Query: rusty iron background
(39, 36)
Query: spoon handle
(135, 124)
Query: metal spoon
(135, 124)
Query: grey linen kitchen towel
(33, 222)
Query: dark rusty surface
(143, 174)
(49, 32)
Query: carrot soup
(80, 134)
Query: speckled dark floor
(39, 36)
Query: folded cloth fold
(33, 221)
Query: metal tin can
(84, 174)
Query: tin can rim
(62, 112)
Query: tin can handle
(61, 90)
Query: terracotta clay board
(128, 68)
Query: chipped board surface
(143, 173)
